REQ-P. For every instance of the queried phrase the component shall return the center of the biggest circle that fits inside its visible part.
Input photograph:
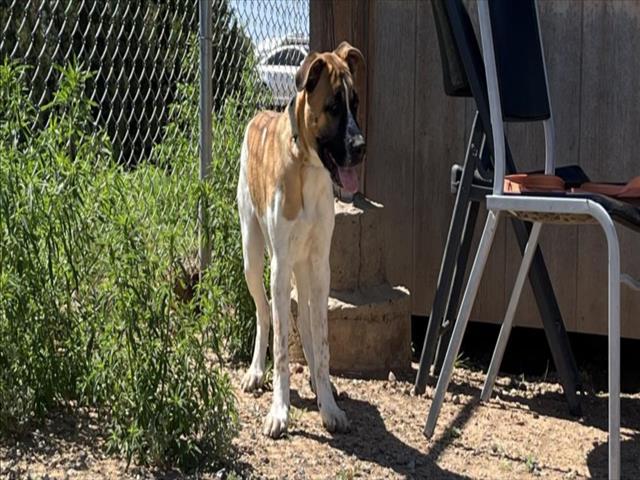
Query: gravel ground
(525, 431)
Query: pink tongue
(348, 178)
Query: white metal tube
(497, 125)
(463, 317)
(503, 338)
(549, 124)
(600, 214)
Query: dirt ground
(525, 431)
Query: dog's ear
(309, 72)
(353, 57)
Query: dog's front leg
(277, 420)
(333, 418)
(301, 274)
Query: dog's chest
(313, 227)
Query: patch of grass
(462, 361)
(505, 465)
(295, 416)
(532, 465)
(451, 433)
(348, 473)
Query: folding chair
(463, 75)
(518, 91)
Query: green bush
(234, 310)
(90, 257)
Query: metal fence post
(206, 69)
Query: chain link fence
(143, 56)
(141, 51)
(143, 59)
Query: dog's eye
(333, 108)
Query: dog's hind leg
(276, 422)
(253, 244)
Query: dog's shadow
(598, 459)
(370, 441)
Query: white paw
(252, 380)
(334, 419)
(276, 422)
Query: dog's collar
(292, 119)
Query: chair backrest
(454, 75)
(519, 60)
(516, 75)
(463, 68)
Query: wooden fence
(415, 133)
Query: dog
(289, 163)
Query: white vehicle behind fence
(279, 60)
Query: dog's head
(326, 82)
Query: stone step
(369, 331)
(357, 247)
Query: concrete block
(344, 258)
(372, 270)
(369, 332)
(357, 246)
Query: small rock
(392, 377)
(298, 369)
(221, 474)
(456, 399)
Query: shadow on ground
(370, 440)
(597, 461)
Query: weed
(90, 256)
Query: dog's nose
(357, 146)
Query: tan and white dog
(285, 200)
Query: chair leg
(459, 223)
(443, 291)
(552, 321)
(614, 347)
(503, 338)
(458, 283)
(463, 317)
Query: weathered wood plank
(389, 171)
(610, 128)
(439, 143)
(321, 20)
